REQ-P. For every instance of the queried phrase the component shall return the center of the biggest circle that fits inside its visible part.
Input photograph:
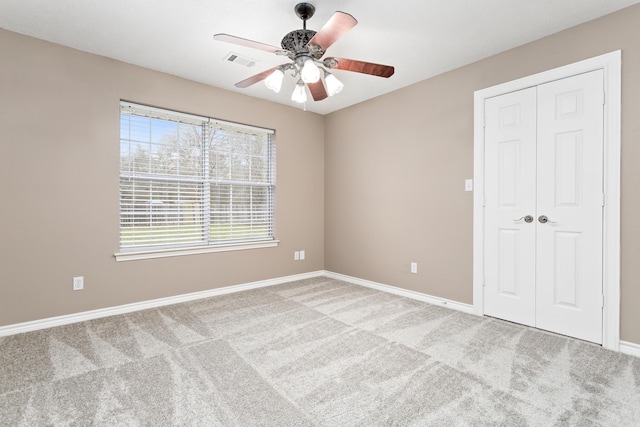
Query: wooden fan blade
(318, 92)
(359, 67)
(227, 38)
(335, 27)
(257, 78)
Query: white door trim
(611, 63)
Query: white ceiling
(421, 38)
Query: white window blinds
(190, 181)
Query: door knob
(527, 219)
(544, 219)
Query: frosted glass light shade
(299, 94)
(310, 72)
(334, 85)
(274, 81)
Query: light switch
(468, 185)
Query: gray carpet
(317, 352)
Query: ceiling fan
(305, 49)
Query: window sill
(163, 253)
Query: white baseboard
(466, 308)
(630, 348)
(625, 347)
(128, 308)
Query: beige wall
(395, 169)
(59, 150)
(368, 190)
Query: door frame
(611, 64)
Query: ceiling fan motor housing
(296, 41)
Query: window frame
(206, 180)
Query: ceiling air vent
(241, 60)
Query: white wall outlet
(296, 255)
(301, 255)
(78, 283)
(414, 267)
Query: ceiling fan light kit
(334, 86)
(299, 95)
(309, 73)
(274, 81)
(305, 49)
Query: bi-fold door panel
(510, 144)
(570, 193)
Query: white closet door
(544, 158)
(570, 194)
(510, 195)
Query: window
(192, 182)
